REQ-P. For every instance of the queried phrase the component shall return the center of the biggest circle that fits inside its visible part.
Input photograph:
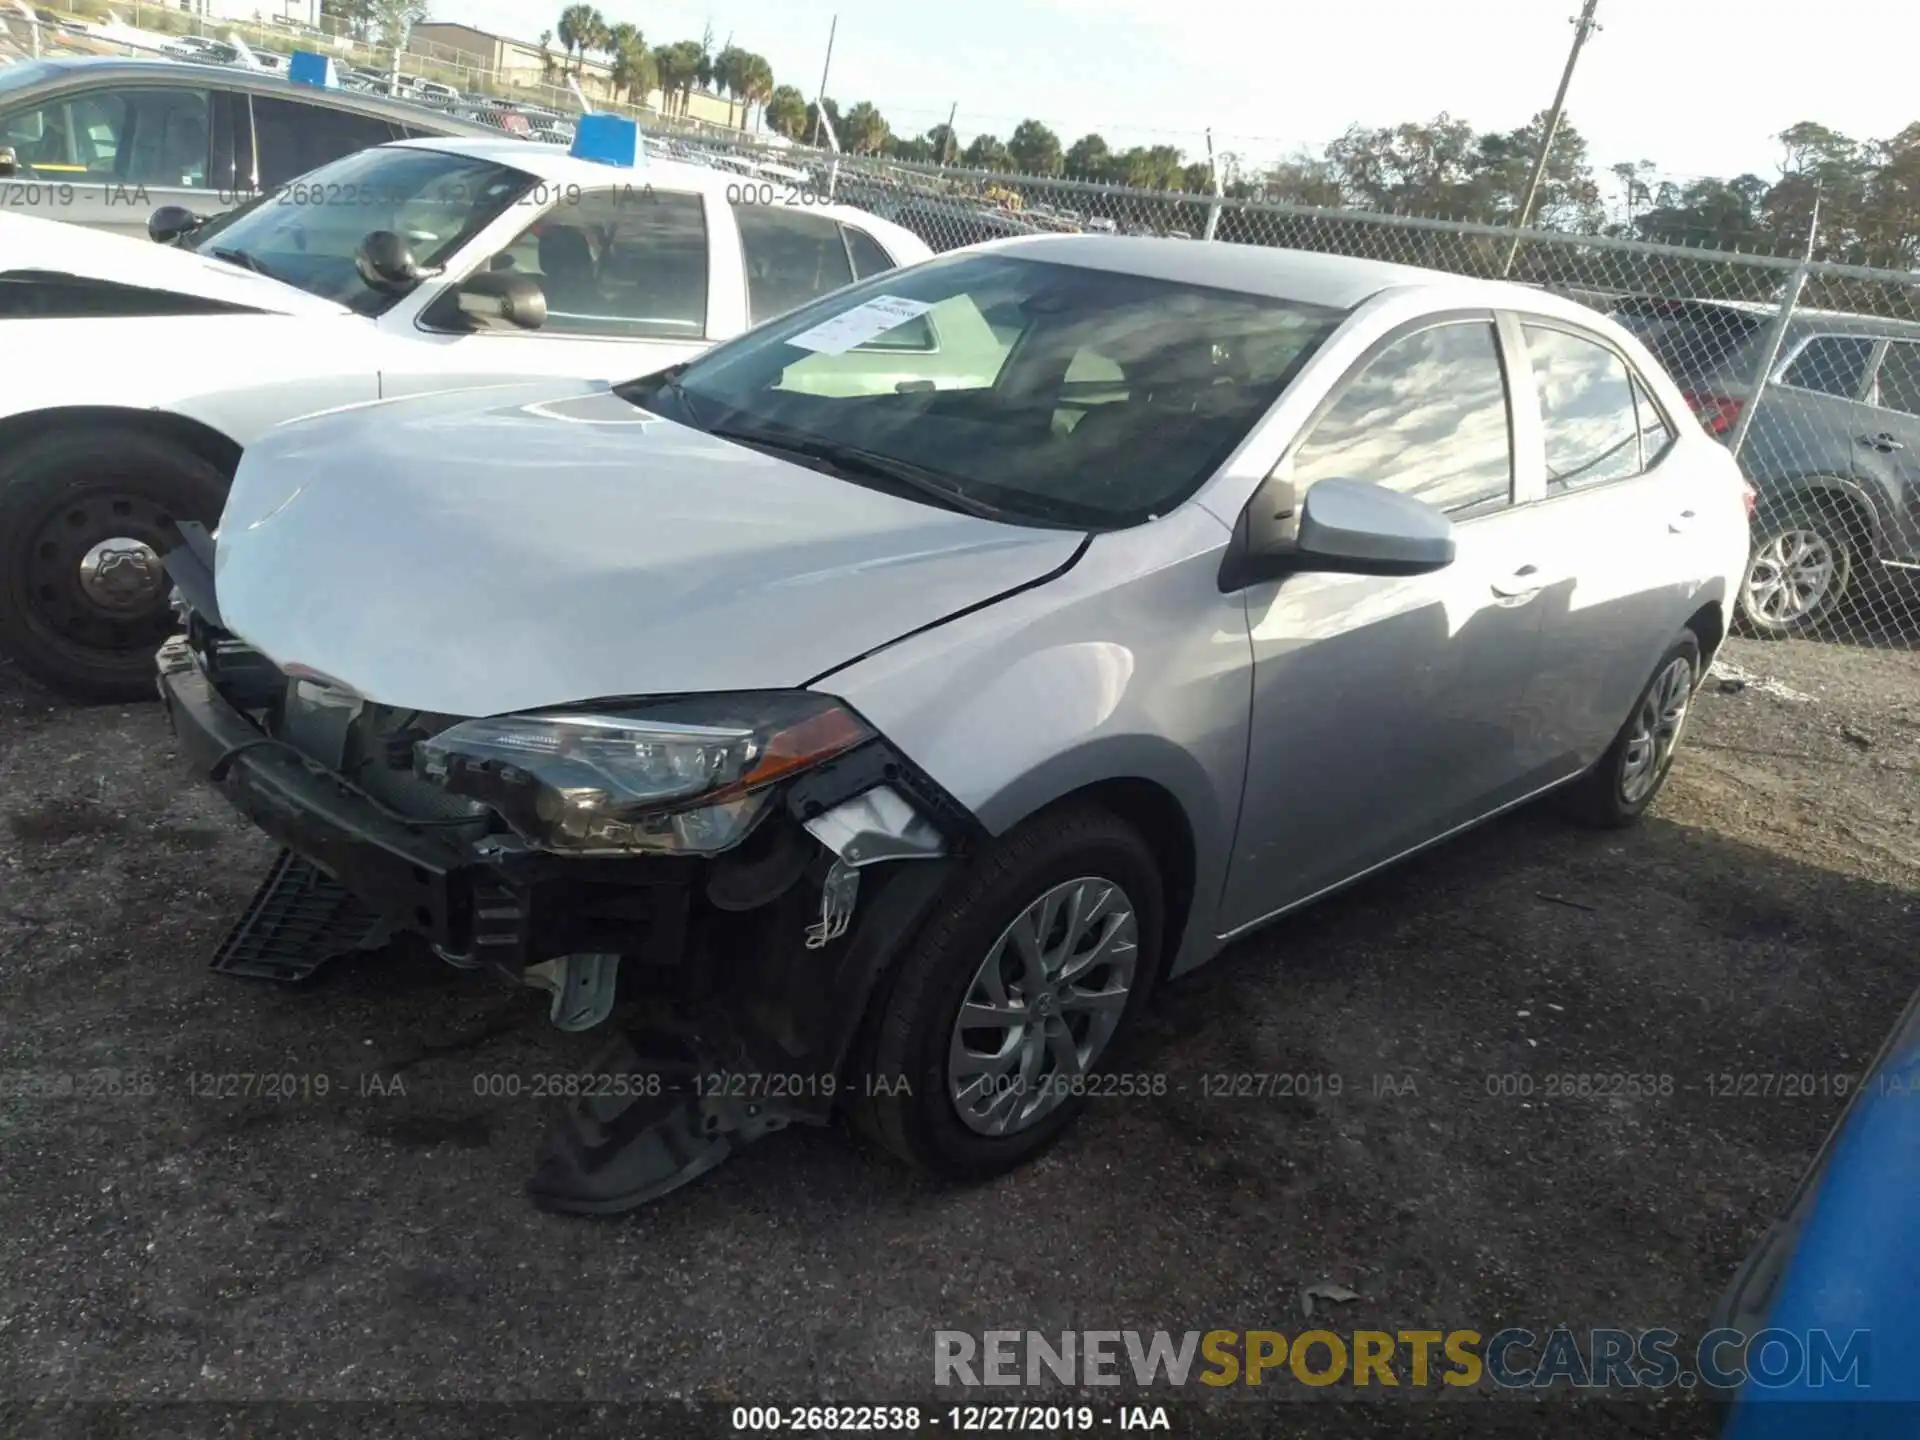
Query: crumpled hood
(542, 545)
(28, 243)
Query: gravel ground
(371, 1244)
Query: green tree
(725, 74)
(633, 73)
(582, 28)
(678, 68)
(943, 145)
(1035, 149)
(786, 112)
(756, 84)
(866, 129)
(1087, 158)
(832, 108)
(986, 152)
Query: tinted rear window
(1688, 339)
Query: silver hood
(471, 555)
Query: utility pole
(820, 104)
(948, 146)
(1583, 28)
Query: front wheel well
(1162, 823)
(219, 450)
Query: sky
(1698, 88)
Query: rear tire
(931, 1099)
(1624, 782)
(79, 612)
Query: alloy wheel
(1656, 730)
(1790, 576)
(1043, 1006)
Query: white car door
(636, 278)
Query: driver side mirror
(386, 263)
(1346, 527)
(170, 222)
(501, 299)
(9, 161)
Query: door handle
(1527, 580)
(1681, 523)
(1883, 442)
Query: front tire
(1800, 573)
(1051, 941)
(84, 518)
(1623, 783)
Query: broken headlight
(683, 776)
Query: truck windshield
(306, 233)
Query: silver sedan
(966, 652)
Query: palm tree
(633, 71)
(786, 112)
(577, 26)
(756, 85)
(686, 62)
(547, 68)
(865, 129)
(727, 75)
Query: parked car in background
(922, 727)
(133, 375)
(104, 142)
(1833, 445)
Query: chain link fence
(1809, 371)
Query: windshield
(306, 233)
(1049, 393)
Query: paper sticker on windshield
(859, 325)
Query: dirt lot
(372, 1244)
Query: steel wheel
(1042, 1006)
(94, 568)
(1656, 730)
(1791, 577)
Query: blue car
(1839, 1277)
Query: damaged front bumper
(753, 969)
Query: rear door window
(291, 138)
(1831, 365)
(791, 256)
(1587, 411)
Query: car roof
(1339, 282)
(557, 166)
(116, 69)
